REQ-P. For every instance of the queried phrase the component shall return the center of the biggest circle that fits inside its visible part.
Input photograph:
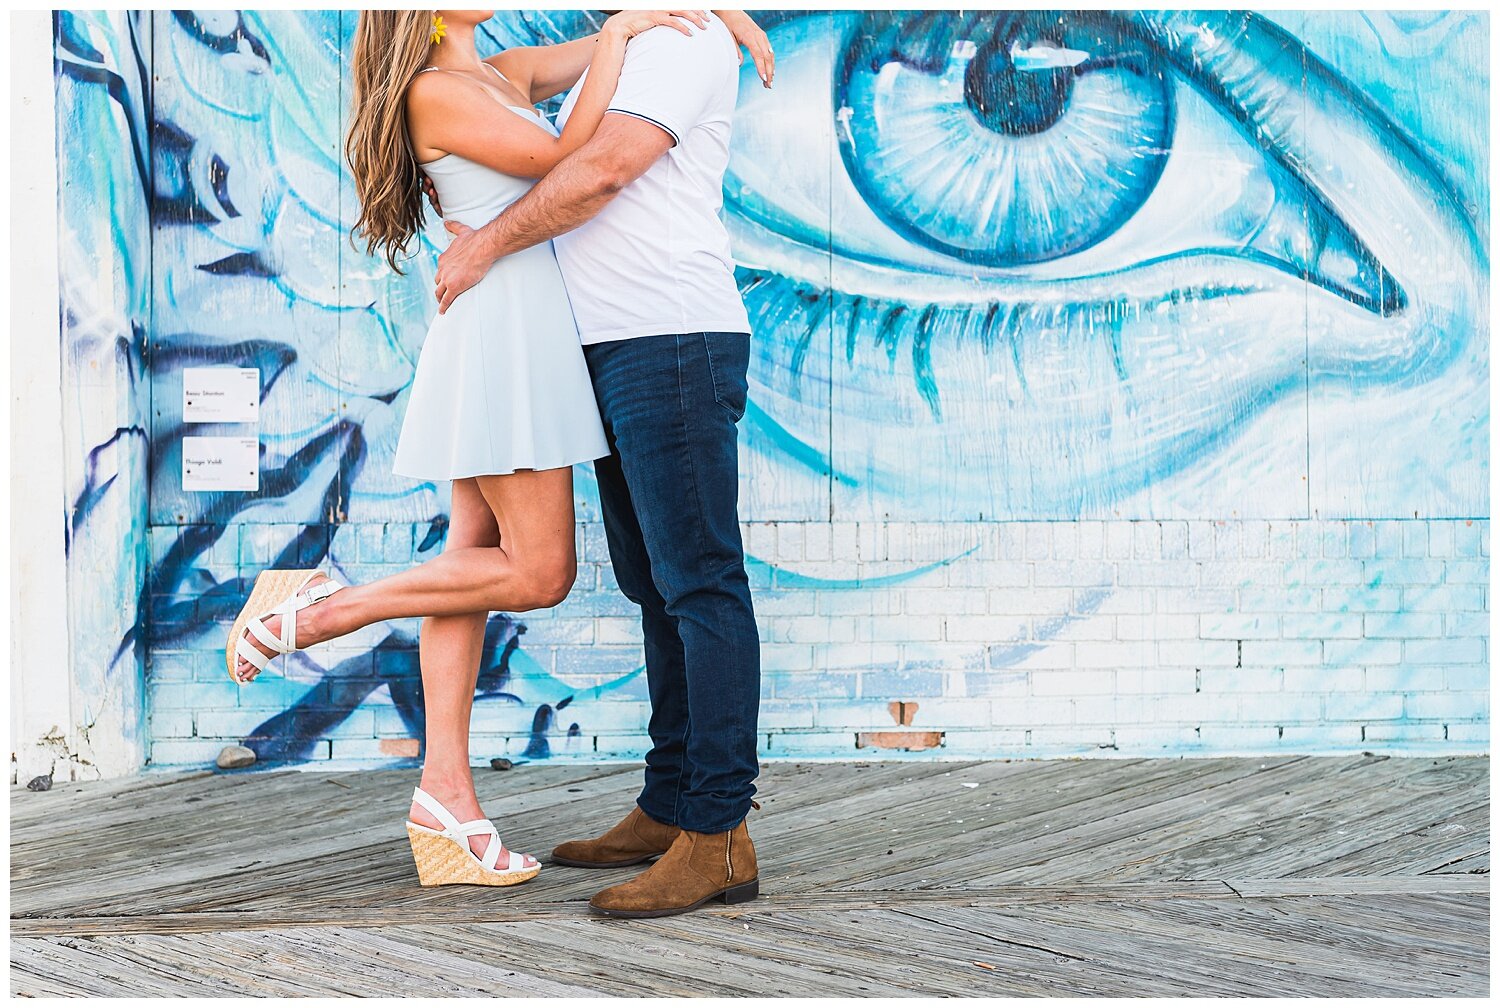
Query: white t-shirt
(656, 259)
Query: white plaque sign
(220, 463)
(220, 395)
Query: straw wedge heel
(444, 857)
(281, 593)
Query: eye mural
(1025, 265)
(1074, 258)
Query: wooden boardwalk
(1277, 876)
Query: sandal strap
(476, 827)
(482, 827)
(286, 641)
(492, 852)
(296, 604)
(254, 656)
(258, 629)
(318, 593)
(463, 832)
(448, 819)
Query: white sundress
(501, 384)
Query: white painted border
(40, 663)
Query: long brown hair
(390, 46)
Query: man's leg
(672, 403)
(666, 677)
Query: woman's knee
(547, 582)
(555, 580)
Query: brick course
(1029, 638)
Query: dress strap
(489, 65)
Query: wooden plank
(1095, 961)
(1320, 842)
(1456, 837)
(550, 907)
(546, 905)
(1158, 960)
(1444, 924)
(1111, 843)
(1211, 946)
(1379, 885)
(29, 807)
(328, 962)
(1231, 835)
(941, 816)
(214, 855)
(1478, 864)
(1025, 846)
(721, 957)
(1375, 939)
(368, 813)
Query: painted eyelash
(787, 305)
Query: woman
(501, 403)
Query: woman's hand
(626, 25)
(748, 34)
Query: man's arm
(573, 193)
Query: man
(648, 271)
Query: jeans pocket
(729, 365)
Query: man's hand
(432, 196)
(462, 266)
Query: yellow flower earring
(438, 29)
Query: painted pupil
(1009, 101)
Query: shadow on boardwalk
(1276, 876)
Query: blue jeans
(669, 491)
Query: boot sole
(742, 893)
(605, 864)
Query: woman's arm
(544, 71)
(749, 34)
(448, 112)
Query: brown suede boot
(634, 839)
(698, 868)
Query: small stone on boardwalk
(235, 757)
(42, 783)
(500, 763)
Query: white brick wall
(1013, 639)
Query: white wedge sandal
(444, 856)
(284, 588)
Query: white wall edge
(42, 726)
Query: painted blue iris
(1005, 137)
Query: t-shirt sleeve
(666, 79)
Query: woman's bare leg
(518, 558)
(532, 568)
(451, 650)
